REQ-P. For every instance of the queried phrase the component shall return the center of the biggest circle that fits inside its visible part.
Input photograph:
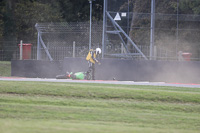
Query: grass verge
(5, 68)
(69, 107)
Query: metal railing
(60, 52)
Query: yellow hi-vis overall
(91, 56)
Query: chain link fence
(60, 52)
(173, 31)
(60, 37)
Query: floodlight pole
(177, 27)
(104, 27)
(90, 38)
(152, 29)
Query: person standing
(92, 59)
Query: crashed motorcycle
(78, 75)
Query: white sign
(117, 17)
(123, 14)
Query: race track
(99, 82)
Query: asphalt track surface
(99, 82)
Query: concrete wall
(35, 68)
(133, 70)
(121, 69)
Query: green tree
(20, 17)
(76, 10)
(28, 13)
(189, 7)
(2, 9)
(9, 20)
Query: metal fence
(53, 36)
(60, 52)
(60, 37)
(149, 23)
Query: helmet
(98, 51)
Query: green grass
(87, 108)
(5, 68)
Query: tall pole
(177, 26)
(38, 47)
(90, 38)
(21, 50)
(152, 29)
(128, 20)
(104, 28)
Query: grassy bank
(74, 108)
(5, 68)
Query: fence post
(21, 50)
(122, 48)
(74, 46)
(155, 52)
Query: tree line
(18, 17)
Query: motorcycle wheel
(88, 76)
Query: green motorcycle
(78, 75)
